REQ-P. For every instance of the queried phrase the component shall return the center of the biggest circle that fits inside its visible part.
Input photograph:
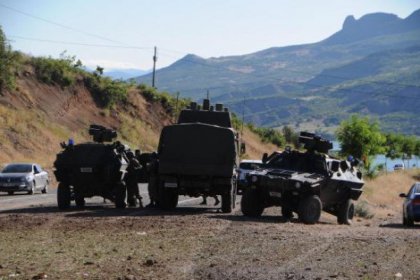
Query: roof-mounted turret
(313, 142)
(207, 113)
(102, 134)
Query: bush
(61, 71)
(107, 92)
(362, 210)
(269, 135)
(168, 101)
(7, 77)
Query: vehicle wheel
(63, 196)
(32, 190)
(10, 192)
(251, 205)
(168, 198)
(228, 200)
(345, 212)
(45, 189)
(407, 221)
(120, 196)
(310, 209)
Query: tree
(409, 148)
(360, 138)
(393, 147)
(7, 80)
(291, 136)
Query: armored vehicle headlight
(254, 179)
(298, 185)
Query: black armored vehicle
(304, 183)
(198, 156)
(91, 169)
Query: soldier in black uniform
(132, 181)
(153, 179)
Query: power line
(77, 43)
(188, 60)
(61, 25)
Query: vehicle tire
(251, 205)
(228, 200)
(168, 198)
(10, 192)
(310, 209)
(63, 196)
(120, 196)
(32, 190)
(45, 189)
(407, 221)
(345, 212)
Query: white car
(28, 177)
(246, 166)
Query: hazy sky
(208, 28)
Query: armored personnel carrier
(305, 183)
(91, 169)
(198, 156)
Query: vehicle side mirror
(335, 166)
(403, 195)
(344, 166)
(265, 158)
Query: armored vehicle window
(296, 161)
(249, 165)
(209, 117)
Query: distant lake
(380, 159)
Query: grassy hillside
(54, 100)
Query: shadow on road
(262, 219)
(399, 226)
(110, 211)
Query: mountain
(124, 74)
(278, 83)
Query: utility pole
(154, 68)
(176, 106)
(243, 116)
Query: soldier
(153, 180)
(132, 181)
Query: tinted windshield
(296, 161)
(18, 168)
(249, 165)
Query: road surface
(37, 200)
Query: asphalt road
(23, 200)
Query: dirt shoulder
(199, 243)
